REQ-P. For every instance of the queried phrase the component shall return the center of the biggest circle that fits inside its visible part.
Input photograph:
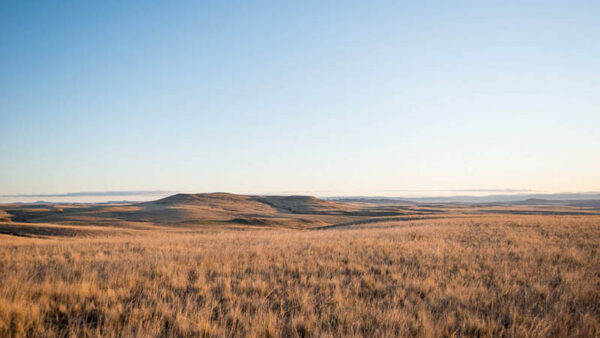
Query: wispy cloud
(97, 193)
(489, 190)
(506, 190)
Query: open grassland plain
(492, 275)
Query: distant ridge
(558, 198)
(574, 203)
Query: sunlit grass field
(486, 276)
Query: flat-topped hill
(221, 197)
(302, 204)
(253, 203)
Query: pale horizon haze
(323, 98)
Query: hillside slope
(192, 209)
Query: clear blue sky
(320, 97)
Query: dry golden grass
(488, 276)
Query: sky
(326, 98)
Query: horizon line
(163, 192)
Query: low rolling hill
(202, 210)
(225, 210)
